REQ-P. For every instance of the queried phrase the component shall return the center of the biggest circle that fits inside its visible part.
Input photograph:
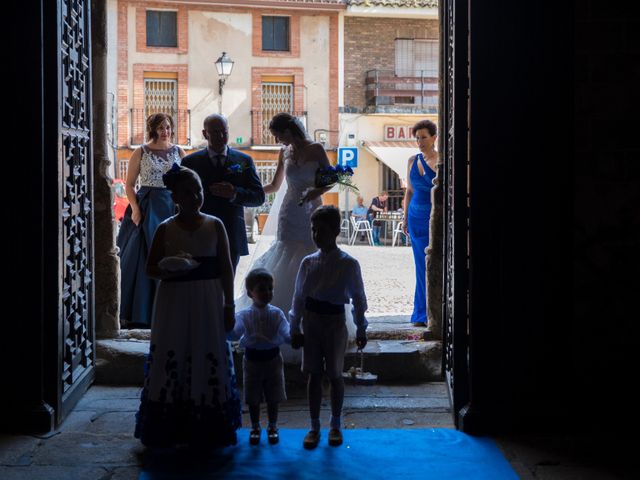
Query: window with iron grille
(162, 29)
(160, 96)
(276, 97)
(417, 58)
(275, 34)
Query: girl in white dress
(189, 395)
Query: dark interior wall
(519, 149)
(22, 345)
(554, 214)
(606, 208)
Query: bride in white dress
(298, 162)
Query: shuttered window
(275, 34)
(416, 57)
(162, 29)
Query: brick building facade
(390, 81)
(178, 75)
(369, 44)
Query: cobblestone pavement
(388, 274)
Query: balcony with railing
(413, 91)
(181, 121)
(260, 134)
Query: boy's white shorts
(325, 343)
(266, 378)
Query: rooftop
(394, 3)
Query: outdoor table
(386, 218)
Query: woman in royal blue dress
(148, 207)
(417, 210)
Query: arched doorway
(78, 239)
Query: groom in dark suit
(229, 180)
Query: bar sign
(397, 133)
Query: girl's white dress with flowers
(189, 393)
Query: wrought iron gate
(75, 275)
(276, 98)
(454, 72)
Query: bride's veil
(264, 241)
(269, 231)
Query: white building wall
(112, 80)
(211, 33)
(314, 58)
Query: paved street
(388, 274)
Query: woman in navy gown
(417, 210)
(148, 207)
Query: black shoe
(254, 436)
(311, 439)
(335, 437)
(273, 436)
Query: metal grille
(76, 200)
(276, 98)
(417, 58)
(123, 166)
(448, 312)
(393, 185)
(160, 96)
(414, 56)
(266, 170)
(456, 214)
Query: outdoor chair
(344, 228)
(361, 226)
(397, 232)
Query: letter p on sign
(348, 157)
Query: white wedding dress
(293, 240)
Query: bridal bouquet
(329, 176)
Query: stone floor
(96, 442)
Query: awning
(394, 154)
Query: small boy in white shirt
(262, 328)
(326, 281)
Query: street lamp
(224, 65)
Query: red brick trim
(123, 76)
(139, 70)
(256, 92)
(141, 28)
(294, 34)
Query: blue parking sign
(348, 156)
